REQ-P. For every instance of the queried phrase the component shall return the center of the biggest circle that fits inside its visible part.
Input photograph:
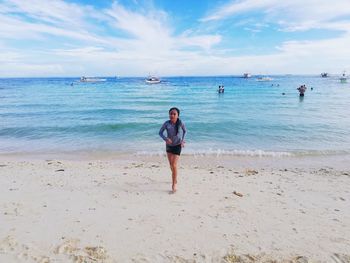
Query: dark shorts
(174, 149)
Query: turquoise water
(125, 114)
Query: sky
(40, 38)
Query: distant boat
(264, 79)
(85, 79)
(324, 75)
(246, 75)
(152, 80)
(343, 78)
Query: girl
(174, 141)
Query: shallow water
(125, 114)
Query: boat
(324, 75)
(85, 79)
(264, 79)
(343, 78)
(246, 75)
(152, 80)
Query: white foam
(222, 152)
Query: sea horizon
(333, 74)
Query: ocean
(123, 115)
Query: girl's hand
(183, 144)
(168, 141)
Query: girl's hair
(178, 122)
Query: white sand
(120, 210)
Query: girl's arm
(161, 132)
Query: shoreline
(330, 160)
(160, 150)
(118, 209)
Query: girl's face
(173, 116)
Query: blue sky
(171, 38)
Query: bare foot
(174, 188)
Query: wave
(249, 153)
(221, 152)
(64, 131)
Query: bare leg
(173, 158)
(170, 159)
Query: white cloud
(293, 57)
(147, 27)
(152, 32)
(290, 14)
(53, 11)
(298, 57)
(16, 28)
(235, 7)
(148, 39)
(138, 42)
(32, 70)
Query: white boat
(343, 78)
(85, 79)
(264, 79)
(152, 80)
(246, 75)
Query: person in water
(174, 141)
(301, 90)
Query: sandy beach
(227, 209)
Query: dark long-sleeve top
(171, 132)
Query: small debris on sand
(251, 172)
(238, 194)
